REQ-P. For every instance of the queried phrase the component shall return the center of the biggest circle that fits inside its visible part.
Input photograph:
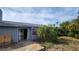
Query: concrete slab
(31, 47)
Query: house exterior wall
(33, 37)
(30, 36)
(0, 15)
(15, 33)
(12, 31)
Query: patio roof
(17, 24)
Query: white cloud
(38, 15)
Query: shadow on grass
(56, 41)
(62, 41)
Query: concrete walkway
(31, 47)
(23, 46)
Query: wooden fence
(5, 39)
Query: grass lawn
(65, 44)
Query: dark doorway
(23, 34)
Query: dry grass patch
(65, 44)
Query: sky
(39, 15)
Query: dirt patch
(17, 46)
(65, 44)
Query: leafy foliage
(71, 28)
(64, 28)
(47, 33)
(64, 25)
(76, 20)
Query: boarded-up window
(5, 39)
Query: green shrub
(71, 34)
(47, 33)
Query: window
(34, 31)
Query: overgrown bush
(64, 28)
(70, 29)
(71, 34)
(47, 33)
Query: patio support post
(29, 34)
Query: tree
(64, 27)
(70, 28)
(73, 29)
(76, 20)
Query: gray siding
(15, 33)
(0, 15)
(33, 37)
(30, 36)
(12, 31)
